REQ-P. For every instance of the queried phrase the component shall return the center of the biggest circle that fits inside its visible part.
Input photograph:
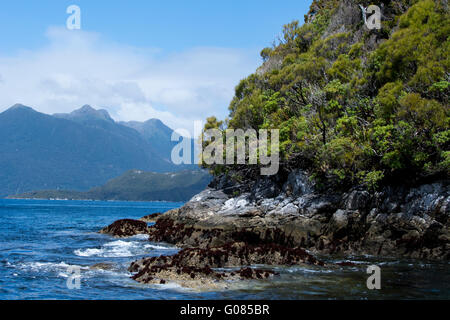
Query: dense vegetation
(359, 106)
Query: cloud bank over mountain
(78, 67)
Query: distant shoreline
(133, 185)
(92, 200)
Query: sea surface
(43, 242)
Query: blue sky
(174, 59)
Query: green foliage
(417, 54)
(204, 140)
(344, 68)
(388, 99)
(357, 112)
(372, 179)
(265, 53)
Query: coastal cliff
(396, 221)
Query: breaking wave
(120, 249)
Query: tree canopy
(354, 109)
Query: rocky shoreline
(208, 267)
(197, 268)
(275, 224)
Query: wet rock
(317, 204)
(102, 266)
(429, 198)
(193, 267)
(339, 220)
(233, 255)
(199, 279)
(357, 200)
(125, 228)
(297, 184)
(289, 208)
(151, 217)
(265, 188)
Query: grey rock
(397, 221)
(357, 200)
(339, 219)
(298, 184)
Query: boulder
(125, 228)
(297, 184)
(197, 268)
(357, 200)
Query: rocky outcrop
(397, 221)
(151, 217)
(201, 279)
(194, 267)
(284, 220)
(125, 228)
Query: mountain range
(78, 150)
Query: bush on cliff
(355, 109)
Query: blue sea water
(41, 240)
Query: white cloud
(78, 68)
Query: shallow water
(41, 240)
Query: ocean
(42, 241)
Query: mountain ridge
(78, 150)
(86, 112)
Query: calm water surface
(40, 240)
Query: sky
(174, 60)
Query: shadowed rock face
(125, 228)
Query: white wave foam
(88, 252)
(355, 262)
(47, 266)
(304, 270)
(120, 249)
(140, 237)
(172, 286)
(62, 270)
(158, 247)
(110, 250)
